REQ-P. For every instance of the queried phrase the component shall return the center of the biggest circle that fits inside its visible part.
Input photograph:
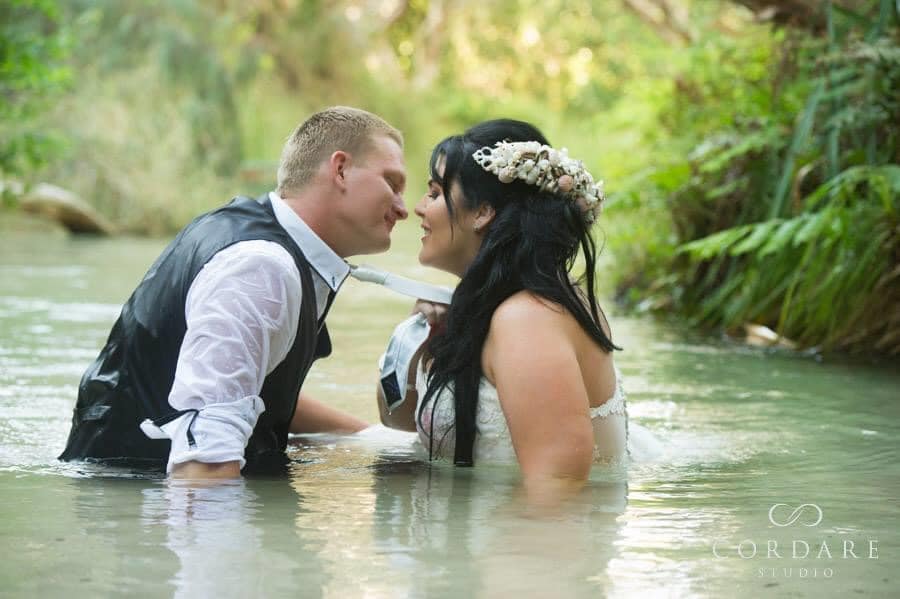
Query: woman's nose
(420, 208)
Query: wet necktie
(408, 337)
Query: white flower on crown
(545, 167)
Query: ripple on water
(54, 272)
(12, 307)
(740, 431)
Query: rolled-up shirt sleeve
(242, 312)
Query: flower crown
(549, 169)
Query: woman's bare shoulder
(525, 320)
(544, 321)
(523, 307)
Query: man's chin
(374, 248)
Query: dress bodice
(493, 442)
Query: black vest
(131, 378)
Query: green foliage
(175, 94)
(792, 220)
(33, 46)
(751, 170)
(152, 126)
(199, 55)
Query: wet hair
(315, 139)
(531, 244)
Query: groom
(201, 373)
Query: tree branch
(660, 15)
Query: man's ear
(484, 215)
(337, 166)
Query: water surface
(743, 430)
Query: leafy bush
(794, 221)
(33, 48)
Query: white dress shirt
(242, 314)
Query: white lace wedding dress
(493, 443)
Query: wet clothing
(133, 376)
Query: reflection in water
(206, 528)
(742, 430)
(106, 552)
(222, 546)
(469, 532)
(386, 525)
(334, 514)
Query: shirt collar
(331, 267)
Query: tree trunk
(803, 14)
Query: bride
(520, 368)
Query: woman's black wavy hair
(531, 245)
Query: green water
(742, 430)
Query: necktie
(408, 337)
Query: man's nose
(400, 207)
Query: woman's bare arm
(531, 355)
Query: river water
(778, 476)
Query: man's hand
(201, 470)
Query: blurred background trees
(749, 146)
(33, 68)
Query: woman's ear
(484, 215)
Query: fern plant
(796, 224)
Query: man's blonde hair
(341, 128)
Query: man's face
(375, 182)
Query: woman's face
(449, 248)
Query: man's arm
(200, 470)
(241, 314)
(312, 416)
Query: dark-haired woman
(522, 367)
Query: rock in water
(66, 208)
(762, 336)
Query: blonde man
(202, 371)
